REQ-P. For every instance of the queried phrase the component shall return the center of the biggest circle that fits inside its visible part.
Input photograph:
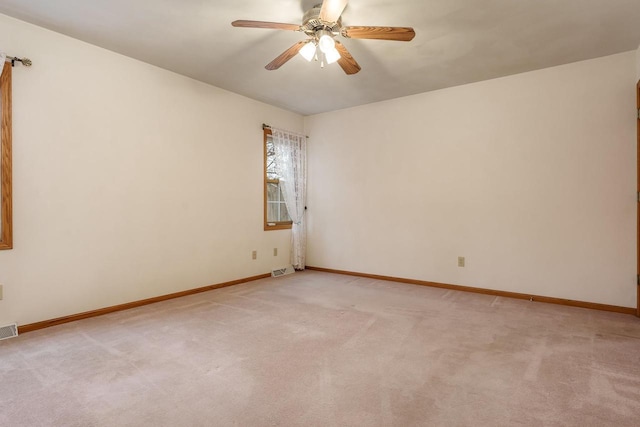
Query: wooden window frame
(278, 225)
(6, 235)
(638, 203)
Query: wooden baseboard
(538, 298)
(101, 311)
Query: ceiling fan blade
(346, 61)
(262, 24)
(285, 56)
(403, 34)
(332, 9)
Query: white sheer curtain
(3, 57)
(291, 164)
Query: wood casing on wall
(120, 307)
(6, 235)
(505, 294)
(638, 189)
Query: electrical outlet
(460, 261)
(254, 254)
(275, 251)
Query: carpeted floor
(319, 349)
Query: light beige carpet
(318, 349)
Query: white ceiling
(457, 42)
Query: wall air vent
(282, 271)
(8, 331)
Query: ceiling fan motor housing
(311, 22)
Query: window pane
(277, 212)
(276, 207)
(284, 213)
(271, 160)
(273, 210)
(272, 192)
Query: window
(5, 159)
(276, 216)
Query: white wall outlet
(275, 251)
(460, 261)
(254, 254)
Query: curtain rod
(13, 59)
(266, 126)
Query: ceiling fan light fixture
(332, 56)
(308, 51)
(326, 41)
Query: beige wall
(530, 177)
(132, 182)
(638, 64)
(129, 181)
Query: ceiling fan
(322, 24)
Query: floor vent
(282, 271)
(8, 331)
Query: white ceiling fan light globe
(332, 56)
(326, 43)
(308, 51)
